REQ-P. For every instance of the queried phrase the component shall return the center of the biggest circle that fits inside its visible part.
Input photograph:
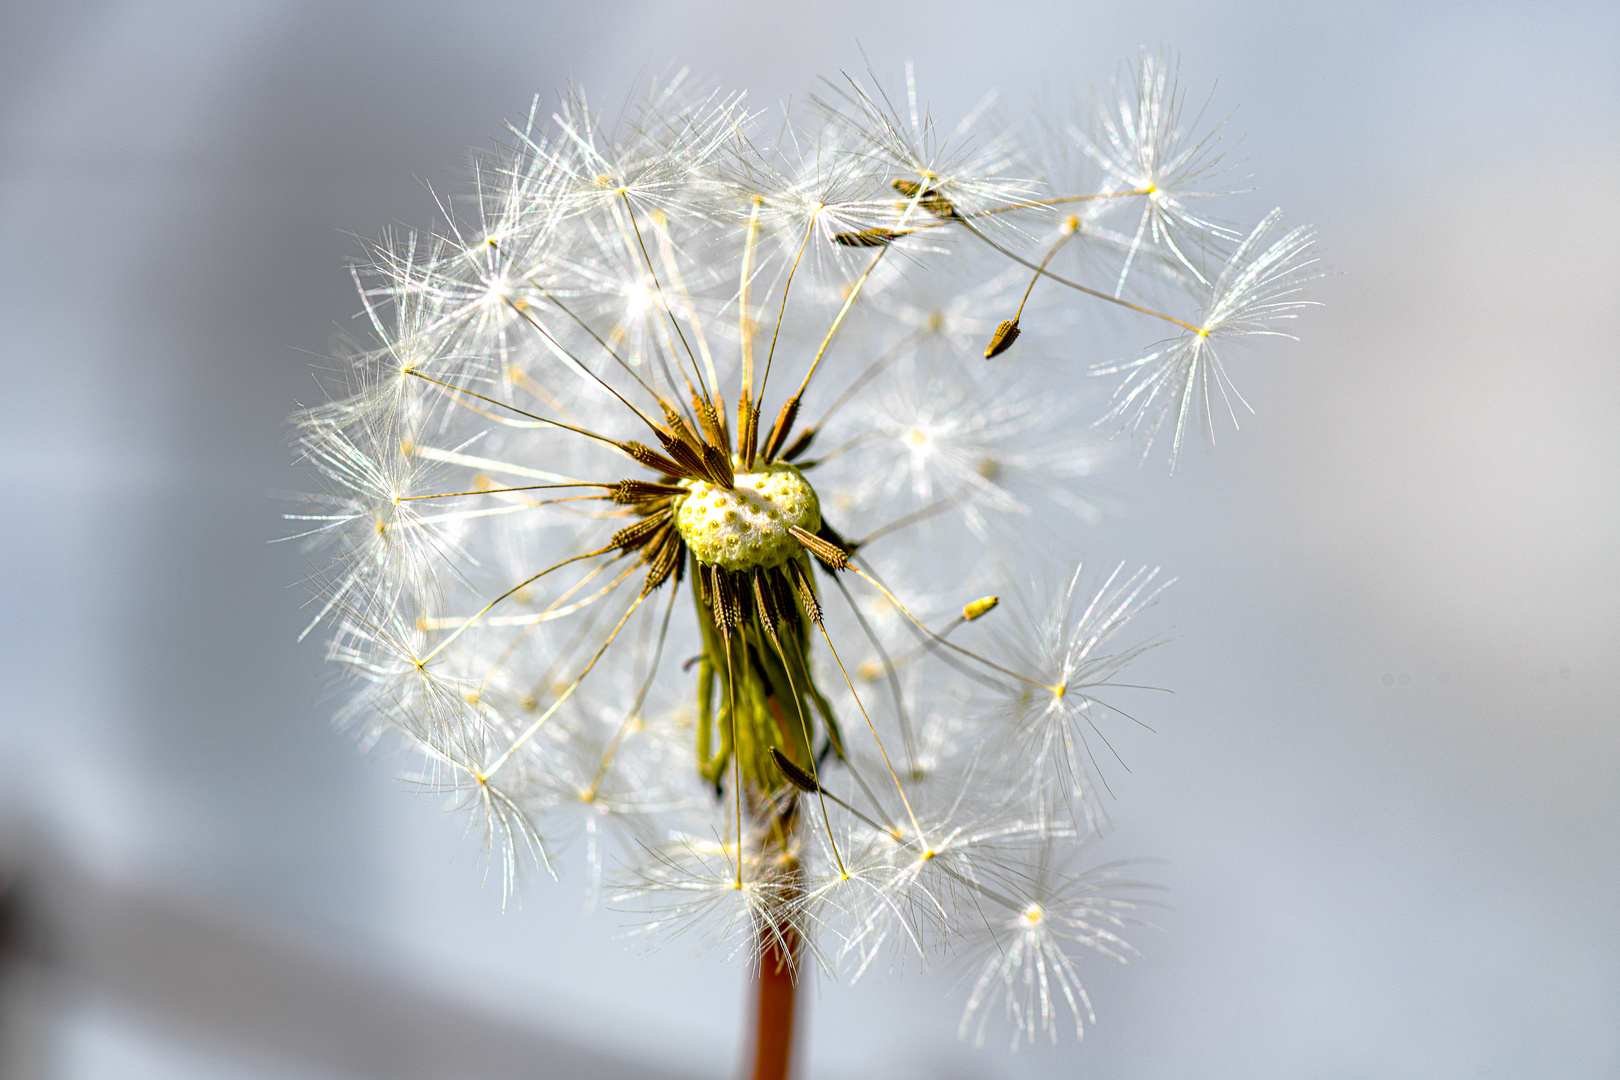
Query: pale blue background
(1387, 791)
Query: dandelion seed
(1069, 657)
(1178, 383)
(1033, 938)
(1146, 143)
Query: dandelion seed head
(665, 509)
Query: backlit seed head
(747, 527)
(801, 789)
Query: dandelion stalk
(776, 986)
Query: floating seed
(1007, 332)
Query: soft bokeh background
(1386, 793)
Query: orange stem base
(776, 996)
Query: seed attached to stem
(793, 774)
(1007, 332)
(982, 606)
(1002, 340)
(870, 238)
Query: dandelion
(1031, 938)
(1147, 145)
(1177, 383)
(667, 513)
(1073, 648)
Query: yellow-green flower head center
(748, 527)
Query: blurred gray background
(1386, 789)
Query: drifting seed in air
(1005, 335)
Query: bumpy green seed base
(748, 527)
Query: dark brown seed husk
(633, 536)
(783, 425)
(793, 774)
(664, 561)
(718, 464)
(828, 554)
(1005, 335)
(807, 593)
(642, 491)
(800, 445)
(643, 454)
(869, 238)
